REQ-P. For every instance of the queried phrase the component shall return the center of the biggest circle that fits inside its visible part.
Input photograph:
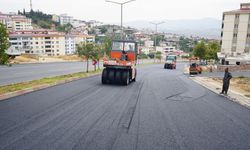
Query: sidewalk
(216, 88)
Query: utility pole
(156, 27)
(122, 35)
(31, 5)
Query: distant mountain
(207, 27)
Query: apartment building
(40, 42)
(16, 22)
(70, 44)
(235, 35)
(73, 39)
(65, 19)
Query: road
(28, 72)
(163, 110)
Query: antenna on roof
(30, 4)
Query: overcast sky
(149, 10)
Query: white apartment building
(149, 43)
(15, 22)
(78, 23)
(235, 35)
(65, 19)
(40, 42)
(70, 44)
(72, 40)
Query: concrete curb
(40, 87)
(232, 95)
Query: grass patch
(44, 81)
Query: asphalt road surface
(27, 72)
(163, 110)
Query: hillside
(207, 27)
(45, 21)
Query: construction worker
(226, 81)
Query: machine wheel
(111, 76)
(118, 76)
(165, 66)
(125, 77)
(104, 76)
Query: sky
(149, 10)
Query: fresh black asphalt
(162, 110)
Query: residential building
(78, 23)
(55, 18)
(149, 43)
(40, 42)
(73, 39)
(65, 19)
(235, 35)
(79, 38)
(16, 22)
(70, 44)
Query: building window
(235, 35)
(222, 26)
(221, 34)
(248, 35)
(36, 42)
(236, 26)
(248, 26)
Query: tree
(151, 55)
(158, 55)
(4, 44)
(103, 29)
(86, 50)
(107, 45)
(65, 28)
(212, 49)
(97, 53)
(200, 50)
(184, 44)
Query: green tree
(184, 44)
(107, 45)
(151, 55)
(158, 55)
(4, 44)
(98, 53)
(103, 29)
(65, 28)
(200, 50)
(212, 49)
(86, 50)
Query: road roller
(120, 68)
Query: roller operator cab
(120, 68)
(170, 62)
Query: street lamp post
(121, 12)
(156, 27)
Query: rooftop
(244, 8)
